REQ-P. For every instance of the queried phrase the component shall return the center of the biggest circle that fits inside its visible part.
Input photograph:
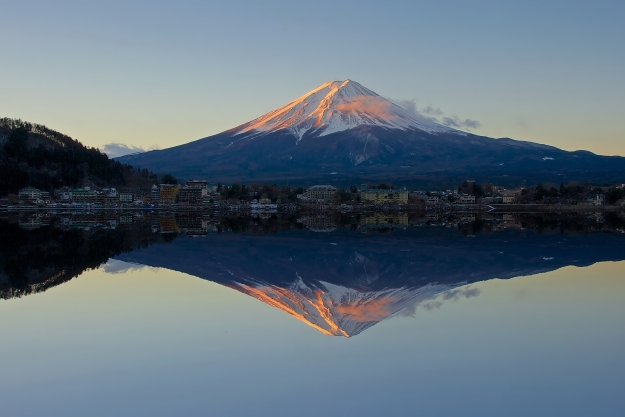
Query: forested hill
(34, 155)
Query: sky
(158, 74)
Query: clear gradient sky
(147, 73)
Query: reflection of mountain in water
(344, 282)
(340, 283)
(336, 310)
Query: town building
(155, 194)
(168, 193)
(30, 194)
(126, 198)
(467, 199)
(319, 194)
(64, 194)
(196, 184)
(191, 196)
(381, 196)
(509, 197)
(84, 196)
(597, 200)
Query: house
(596, 200)
(319, 194)
(30, 194)
(381, 196)
(264, 201)
(433, 199)
(467, 199)
(64, 194)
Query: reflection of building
(168, 224)
(319, 223)
(381, 196)
(319, 194)
(31, 222)
(384, 221)
(191, 224)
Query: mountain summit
(337, 106)
(343, 133)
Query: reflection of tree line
(34, 260)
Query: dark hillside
(34, 155)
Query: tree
(169, 179)
(17, 145)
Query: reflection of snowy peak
(336, 106)
(338, 311)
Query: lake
(190, 314)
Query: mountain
(344, 133)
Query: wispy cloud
(435, 114)
(375, 106)
(113, 150)
(436, 301)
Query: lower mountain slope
(373, 153)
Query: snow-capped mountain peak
(336, 106)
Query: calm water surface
(478, 320)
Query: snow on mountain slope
(336, 106)
(335, 310)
